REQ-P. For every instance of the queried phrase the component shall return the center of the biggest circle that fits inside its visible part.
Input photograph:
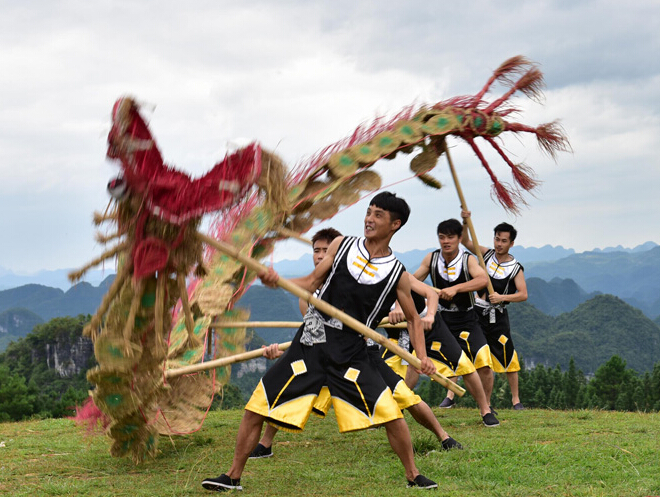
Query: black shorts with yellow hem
(393, 361)
(464, 326)
(361, 398)
(403, 395)
(498, 335)
(442, 348)
(322, 404)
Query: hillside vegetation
(591, 333)
(557, 285)
(34, 383)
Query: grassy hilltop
(532, 453)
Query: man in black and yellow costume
(458, 275)
(363, 278)
(508, 280)
(405, 397)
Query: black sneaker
(450, 443)
(447, 403)
(222, 483)
(518, 407)
(490, 420)
(493, 410)
(422, 481)
(261, 451)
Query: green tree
(431, 392)
(654, 393)
(573, 380)
(48, 392)
(608, 381)
(229, 398)
(16, 402)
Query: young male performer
(361, 277)
(508, 279)
(320, 243)
(442, 348)
(458, 275)
(405, 397)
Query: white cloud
(300, 75)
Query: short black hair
(450, 227)
(396, 206)
(506, 228)
(326, 234)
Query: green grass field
(532, 453)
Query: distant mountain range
(632, 276)
(591, 329)
(15, 323)
(560, 279)
(48, 302)
(555, 287)
(59, 278)
(591, 332)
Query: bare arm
(424, 268)
(302, 306)
(479, 280)
(314, 279)
(465, 238)
(431, 296)
(414, 323)
(519, 296)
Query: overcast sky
(297, 75)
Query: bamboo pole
(330, 310)
(256, 324)
(217, 363)
(473, 232)
(284, 324)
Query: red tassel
(503, 194)
(552, 139)
(511, 66)
(91, 417)
(522, 175)
(530, 83)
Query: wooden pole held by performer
(223, 361)
(473, 232)
(284, 324)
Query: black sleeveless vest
(445, 276)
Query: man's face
(378, 223)
(320, 249)
(449, 243)
(502, 242)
